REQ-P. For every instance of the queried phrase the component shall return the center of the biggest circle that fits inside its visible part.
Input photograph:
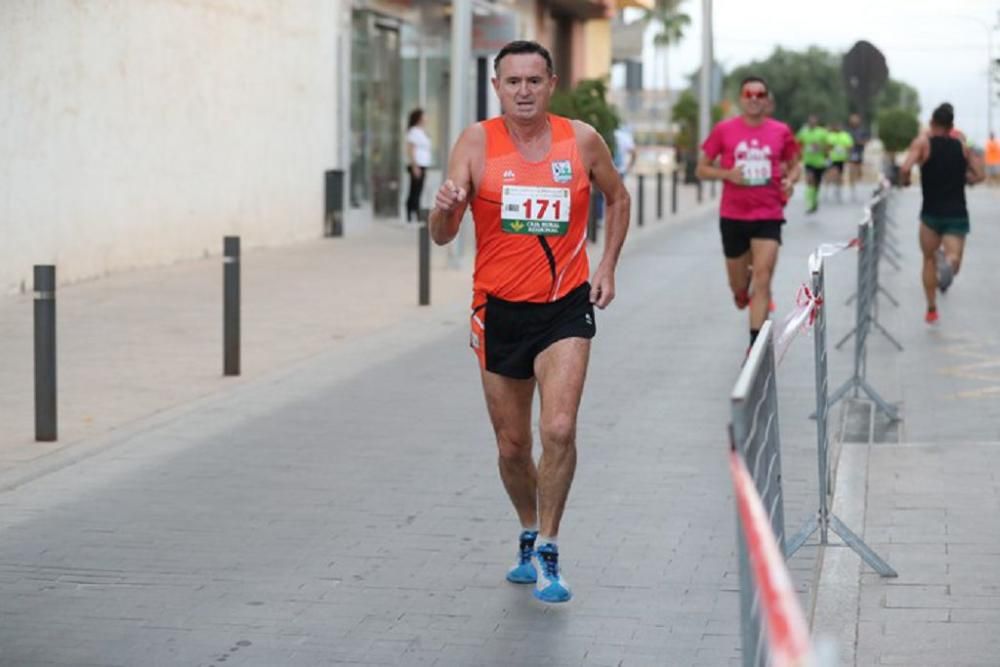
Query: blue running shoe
(524, 571)
(551, 587)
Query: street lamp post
(989, 63)
(704, 80)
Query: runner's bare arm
(915, 156)
(707, 171)
(452, 197)
(597, 159)
(792, 170)
(974, 173)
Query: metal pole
(819, 347)
(461, 58)
(642, 199)
(424, 251)
(673, 191)
(45, 353)
(705, 75)
(231, 305)
(989, 80)
(659, 195)
(698, 185)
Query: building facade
(140, 133)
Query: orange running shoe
(742, 299)
(932, 316)
(771, 307)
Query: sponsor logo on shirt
(508, 175)
(562, 171)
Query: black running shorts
(817, 173)
(736, 234)
(514, 333)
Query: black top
(942, 179)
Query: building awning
(583, 9)
(638, 4)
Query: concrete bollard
(424, 255)
(45, 353)
(642, 199)
(592, 216)
(659, 195)
(673, 192)
(231, 305)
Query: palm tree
(671, 21)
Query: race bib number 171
(536, 211)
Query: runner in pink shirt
(757, 159)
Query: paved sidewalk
(926, 499)
(136, 343)
(339, 503)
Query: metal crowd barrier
(825, 520)
(878, 211)
(754, 431)
(865, 308)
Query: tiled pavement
(343, 507)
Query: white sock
(547, 540)
(533, 528)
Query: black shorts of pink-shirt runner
(737, 234)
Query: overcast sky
(937, 46)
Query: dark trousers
(416, 188)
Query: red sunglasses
(751, 95)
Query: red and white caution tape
(801, 318)
(831, 249)
(787, 632)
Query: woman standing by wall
(418, 158)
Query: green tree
(685, 115)
(898, 95)
(671, 21)
(897, 128)
(587, 101)
(810, 81)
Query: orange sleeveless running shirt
(531, 219)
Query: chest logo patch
(562, 171)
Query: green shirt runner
(815, 143)
(840, 145)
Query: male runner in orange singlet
(526, 175)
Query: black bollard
(592, 216)
(642, 199)
(698, 185)
(333, 219)
(424, 252)
(231, 305)
(659, 195)
(673, 192)
(45, 353)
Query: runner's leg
(561, 370)
(954, 248)
(930, 241)
(764, 253)
(739, 277)
(508, 401)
